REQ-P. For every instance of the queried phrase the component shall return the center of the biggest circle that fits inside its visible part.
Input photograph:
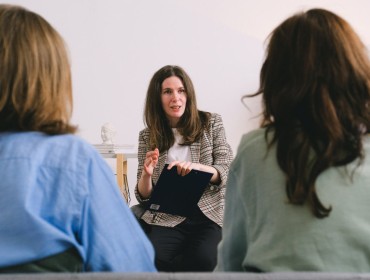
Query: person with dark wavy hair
(299, 188)
(179, 134)
(61, 209)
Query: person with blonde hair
(61, 206)
(298, 193)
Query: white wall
(117, 45)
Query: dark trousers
(189, 246)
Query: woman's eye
(182, 90)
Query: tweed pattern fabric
(213, 150)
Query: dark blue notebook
(176, 194)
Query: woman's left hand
(184, 167)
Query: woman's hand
(145, 183)
(150, 161)
(184, 167)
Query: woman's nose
(176, 95)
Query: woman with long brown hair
(299, 188)
(187, 139)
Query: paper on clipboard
(176, 194)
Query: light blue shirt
(57, 192)
(263, 231)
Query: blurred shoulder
(252, 141)
(251, 150)
(54, 150)
(69, 145)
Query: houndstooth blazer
(213, 150)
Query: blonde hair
(35, 76)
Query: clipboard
(178, 195)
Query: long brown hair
(316, 97)
(35, 78)
(191, 124)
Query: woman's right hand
(145, 183)
(150, 161)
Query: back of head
(315, 83)
(35, 87)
